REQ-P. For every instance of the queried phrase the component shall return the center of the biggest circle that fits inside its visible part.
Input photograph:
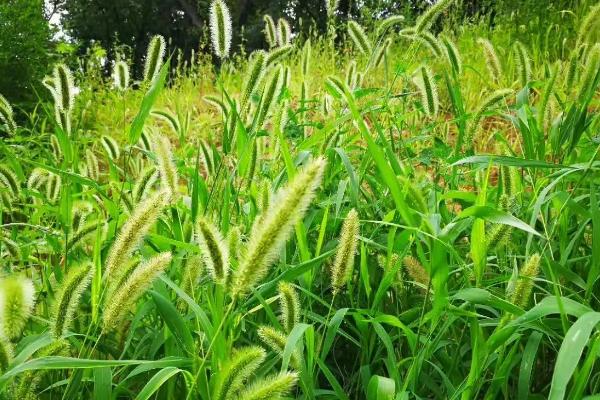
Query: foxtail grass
(9, 181)
(220, 28)
(428, 91)
(270, 31)
(284, 32)
(64, 87)
(166, 167)
(267, 238)
(343, 264)
(154, 58)
(144, 183)
(6, 352)
(133, 231)
(124, 297)
(6, 116)
(431, 43)
(111, 147)
(331, 7)
(17, 298)
(492, 61)
(426, 20)
(254, 76)
(68, 297)
(588, 25)
(359, 37)
(121, 75)
(289, 305)
(416, 271)
(453, 55)
(278, 54)
(272, 387)
(522, 63)
(524, 285)
(276, 341)
(387, 24)
(235, 373)
(214, 250)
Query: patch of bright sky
(55, 21)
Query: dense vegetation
(382, 210)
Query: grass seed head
(452, 54)
(166, 167)
(37, 178)
(6, 352)
(111, 147)
(270, 96)
(53, 187)
(387, 24)
(491, 101)
(133, 231)
(121, 75)
(381, 52)
(192, 271)
(589, 24)
(276, 340)
(522, 62)
(63, 81)
(6, 116)
(428, 91)
(254, 76)
(278, 54)
(84, 232)
(547, 94)
(9, 181)
(231, 378)
(92, 166)
(220, 28)
(426, 20)
(289, 305)
(56, 149)
(270, 31)
(214, 250)
(144, 183)
(216, 102)
(416, 271)
(343, 264)
(431, 42)
(529, 271)
(284, 32)
(17, 297)
(234, 243)
(331, 7)
(30, 381)
(589, 79)
(124, 297)
(306, 58)
(154, 58)
(275, 386)
(266, 239)
(492, 61)
(359, 37)
(68, 297)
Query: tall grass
(383, 212)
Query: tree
(113, 23)
(24, 49)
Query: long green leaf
(570, 352)
(156, 86)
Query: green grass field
(380, 213)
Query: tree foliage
(24, 48)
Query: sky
(55, 21)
